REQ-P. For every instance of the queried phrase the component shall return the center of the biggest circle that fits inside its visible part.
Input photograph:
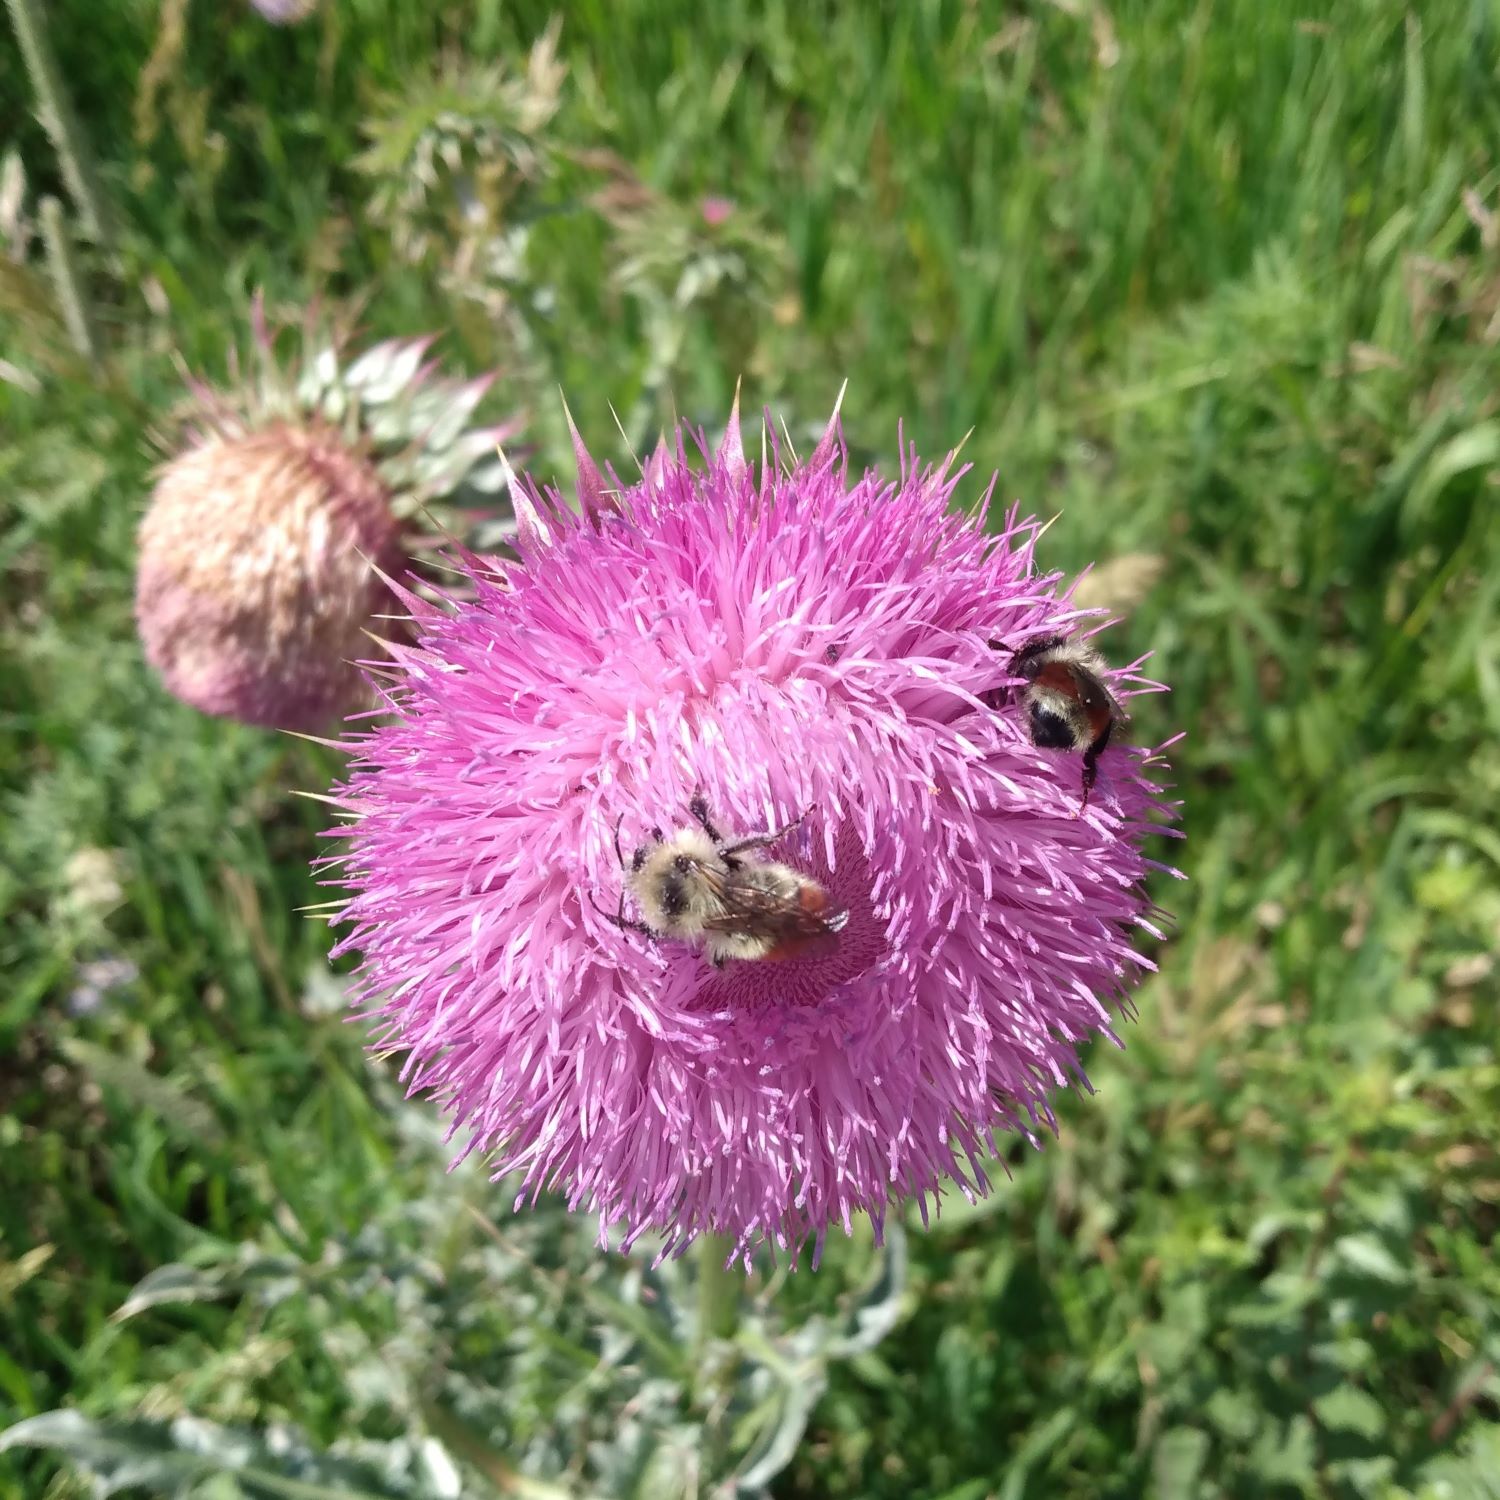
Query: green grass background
(1216, 279)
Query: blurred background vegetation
(1217, 279)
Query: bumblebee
(694, 886)
(1066, 702)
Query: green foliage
(511, 1349)
(186, 1456)
(1221, 283)
(447, 158)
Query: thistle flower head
(254, 582)
(783, 642)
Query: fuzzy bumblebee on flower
(707, 865)
(287, 495)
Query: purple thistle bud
(254, 584)
(784, 644)
(286, 492)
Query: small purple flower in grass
(285, 12)
(95, 981)
(715, 210)
(783, 642)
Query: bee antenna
(619, 855)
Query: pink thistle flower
(782, 643)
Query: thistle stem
(67, 283)
(55, 110)
(719, 1291)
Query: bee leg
(1091, 767)
(699, 809)
(639, 857)
(617, 917)
(761, 840)
(624, 923)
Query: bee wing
(784, 919)
(1095, 697)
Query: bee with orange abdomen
(1066, 702)
(696, 887)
